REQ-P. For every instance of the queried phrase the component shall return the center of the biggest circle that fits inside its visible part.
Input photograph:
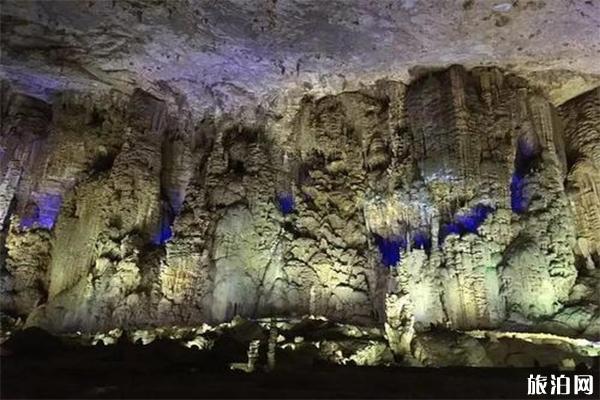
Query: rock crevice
(463, 200)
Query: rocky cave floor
(417, 183)
(315, 358)
(128, 371)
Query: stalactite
(454, 184)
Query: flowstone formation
(462, 201)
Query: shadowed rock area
(314, 358)
(460, 201)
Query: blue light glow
(165, 230)
(466, 223)
(518, 203)
(42, 213)
(449, 229)
(472, 221)
(524, 161)
(525, 150)
(422, 240)
(164, 234)
(390, 249)
(285, 202)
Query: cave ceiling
(236, 56)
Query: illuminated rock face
(441, 203)
(582, 131)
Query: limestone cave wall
(463, 200)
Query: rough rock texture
(296, 344)
(197, 361)
(229, 56)
(581, 116)
(180, 163)
(441, 204)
